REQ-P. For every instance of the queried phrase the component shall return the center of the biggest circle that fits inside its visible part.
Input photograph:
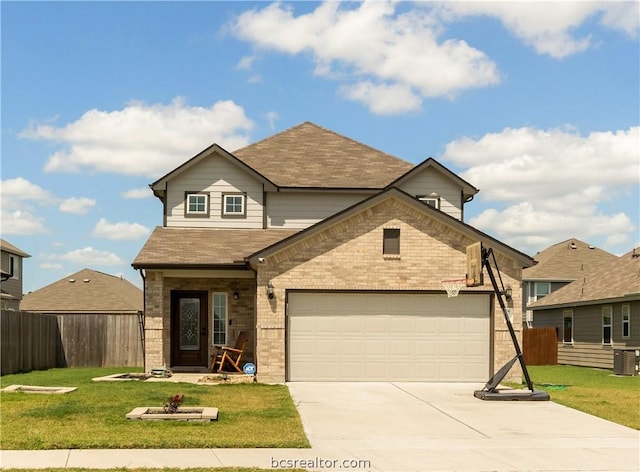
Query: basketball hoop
(453, 286)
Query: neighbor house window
(197, 204)
(626, 321)
(567, 326)
(14, 267)
(541, 290)
(606, 325)
(391, 241)
(220, 319)
(234, 205)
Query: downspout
(141, 317)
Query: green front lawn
(594, 391)
(93, 416)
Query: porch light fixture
(270, 292)
(508, 293)
(236, 295)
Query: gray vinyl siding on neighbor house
(13, 285)
(587, 348)
(214, 177)
(431, 181)
(302, 209)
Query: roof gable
(6, 246)
(394, 193)
(86, 291)
(567, 261)
(430, 163)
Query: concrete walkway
(397, 427)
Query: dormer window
(432, 200)
(234, 205)
(197, 205)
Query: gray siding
(431, 181)
(587, 348)
(12, 286)
(215, 176)
(303, 209)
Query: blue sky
(535, 104)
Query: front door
(189, 328)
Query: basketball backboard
(474, 265)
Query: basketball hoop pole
(489, 391)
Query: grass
(251, 415)
(594, 391)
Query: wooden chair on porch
(227, 359)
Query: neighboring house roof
(393, 192)
(8, 247)
(86, 291)
(204, 248)
(566, 261)
(308, 155)
(616, 281)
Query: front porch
(189, 312)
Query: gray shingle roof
(183, 247)
(308, 155)
(615, 280)
(86, 291)
(566, 261)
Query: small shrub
(173, 403)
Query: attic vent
(573, 246)
(86, 281)
(592, 247)
(72, 281)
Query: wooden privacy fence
(540, 346)
(32, 341)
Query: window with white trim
(197, 204)
(607, 312)
(567, 326)
(540, 290)
(220, 318)
(234, 204)
(626, 321)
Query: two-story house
(331, 255)
(11, 266)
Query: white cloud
(271, 117)
(77, 205)
(119, 231)
(50, 266)
(87, 256)
(550, 32)
(142, 139)
(19, 201)
(550, 184)
(21, 190)
(136, 193)
(371, 48)
(21, 222)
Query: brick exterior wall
(158, 313)
(348, 256)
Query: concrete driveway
(442, 427)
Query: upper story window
(540, 290)
(433, 200)
(234, 205)
(197, 205)
(391, 242)
(14, 266)
(607, 312)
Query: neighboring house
(595, 314)
(557, 266)
(331, 254)
(100, 317)
(11, 266)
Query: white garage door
(387, 337)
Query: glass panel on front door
(189, 324)
(219, 318)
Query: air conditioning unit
(626, 361)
